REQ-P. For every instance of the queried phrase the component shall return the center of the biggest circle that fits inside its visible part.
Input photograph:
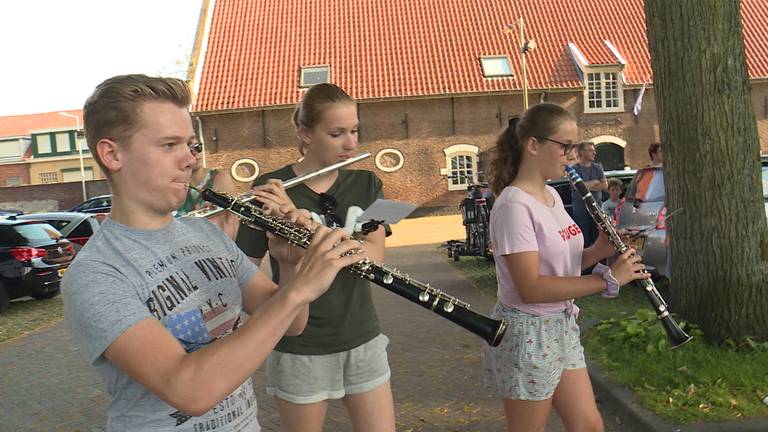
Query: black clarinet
(424, 295)
(676, 335)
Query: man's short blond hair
(112, 110)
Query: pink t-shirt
(520, 223)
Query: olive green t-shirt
(344, 317)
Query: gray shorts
(305, 379)
(531, 357)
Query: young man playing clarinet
(151, 298)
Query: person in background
(656, 155)
(615, 187)
(594, 177)
(201, 179)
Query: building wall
(49, 197)
(421, 129)
(44, 166)
(17, 170)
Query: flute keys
(448, 307)
(423, 296)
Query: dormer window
(495, 66)
(603, 92)
(312, 75)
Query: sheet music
(388, 211)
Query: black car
(563, 187)
(97, 204)
(75, 227)
(33, 257)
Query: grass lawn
(698, 382)
(27, 315)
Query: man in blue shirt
(594, 177)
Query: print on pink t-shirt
(520, 223)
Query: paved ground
(46, 385)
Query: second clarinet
(677, 336)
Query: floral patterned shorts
(535, 350)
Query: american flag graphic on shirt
(195, 329)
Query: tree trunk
(719, 241)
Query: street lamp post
(79, 151)
(525, 46)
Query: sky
(54, 52)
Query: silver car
(643, 214)
(764, 161)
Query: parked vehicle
(10, 212)
(33, 257)
(563, 187)
(75, 227)
(97, 204)
(643, 214)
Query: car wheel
(4, 300)
(46, 295)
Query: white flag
(639, 102)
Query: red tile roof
(21, 125)
(412, 48)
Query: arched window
(461, 165)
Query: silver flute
(247, 197)
(423, 294)
(677, 336)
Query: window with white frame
(63, 143)
(495, 66)
(603, 92)
(73, 174)
(314, 75)
(461, 166)
(49, 177)
(43, 144)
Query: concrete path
(47, 385)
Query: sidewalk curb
(623, 402)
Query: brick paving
(47, 385)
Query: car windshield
(26, 234)
(648, 185)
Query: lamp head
(528, 46)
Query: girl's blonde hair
(309, 112)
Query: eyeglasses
(567, 147)
(328, 204)
(196, 148)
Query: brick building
(435, 81)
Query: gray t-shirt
(188, 276)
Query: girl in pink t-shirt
(539, 253)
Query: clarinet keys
(388, 278)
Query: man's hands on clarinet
(309, 272)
